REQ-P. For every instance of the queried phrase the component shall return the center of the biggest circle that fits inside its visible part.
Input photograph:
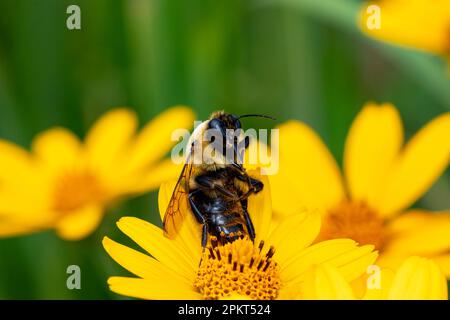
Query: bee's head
(221, 120)
(229, 127)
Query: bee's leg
(257, 185)
(239, 155)
(197, 213)
(199, 217)
(246, 141)
(204, 235)
(254, 184)
(204, 240)
(248, 221)
(239, 150)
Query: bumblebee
(214, 184)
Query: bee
(214, 185)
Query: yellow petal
(285, 195)
(418, 279)
(57, 147)
(350, 259)
(81, 223)
(138, 263)
(258, 157)
(12, 229)
(391, 259)
(419, 233)
(164, 289)
(166, 251)
(419, 24)
(20, 178)
(110, 136)
(154, 141)
(355, 262)
(437, 283)
(324, 282)
(290, 291)
(411, 219)
(305, 166)
(15, 164)
(424, 159)
(153, 177)
(34, 211)
(443, 261)
(293, 234)
(260, 208)
(370, 152)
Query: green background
(302, 59)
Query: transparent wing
(178, 206)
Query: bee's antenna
(256, 115)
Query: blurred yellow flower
(416, 279)
(66, 184)
(272, 268)
(382, 179)
(421, 24)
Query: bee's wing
(178, 206)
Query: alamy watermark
(374, 279)
(373, 20)
(73, 21)
(74, 279)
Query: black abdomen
(228, 227)
(222, 217)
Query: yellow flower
(421, 24)
(66, 184)
(416, 279)
(271, 268)
(382, 179)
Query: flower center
(74, 189)
(238, 268)
(354, 220)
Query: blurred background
(301, 59)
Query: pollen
(238, 268)
(354, 220)
(75, 189)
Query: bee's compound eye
(216, 124)
(235, 121)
